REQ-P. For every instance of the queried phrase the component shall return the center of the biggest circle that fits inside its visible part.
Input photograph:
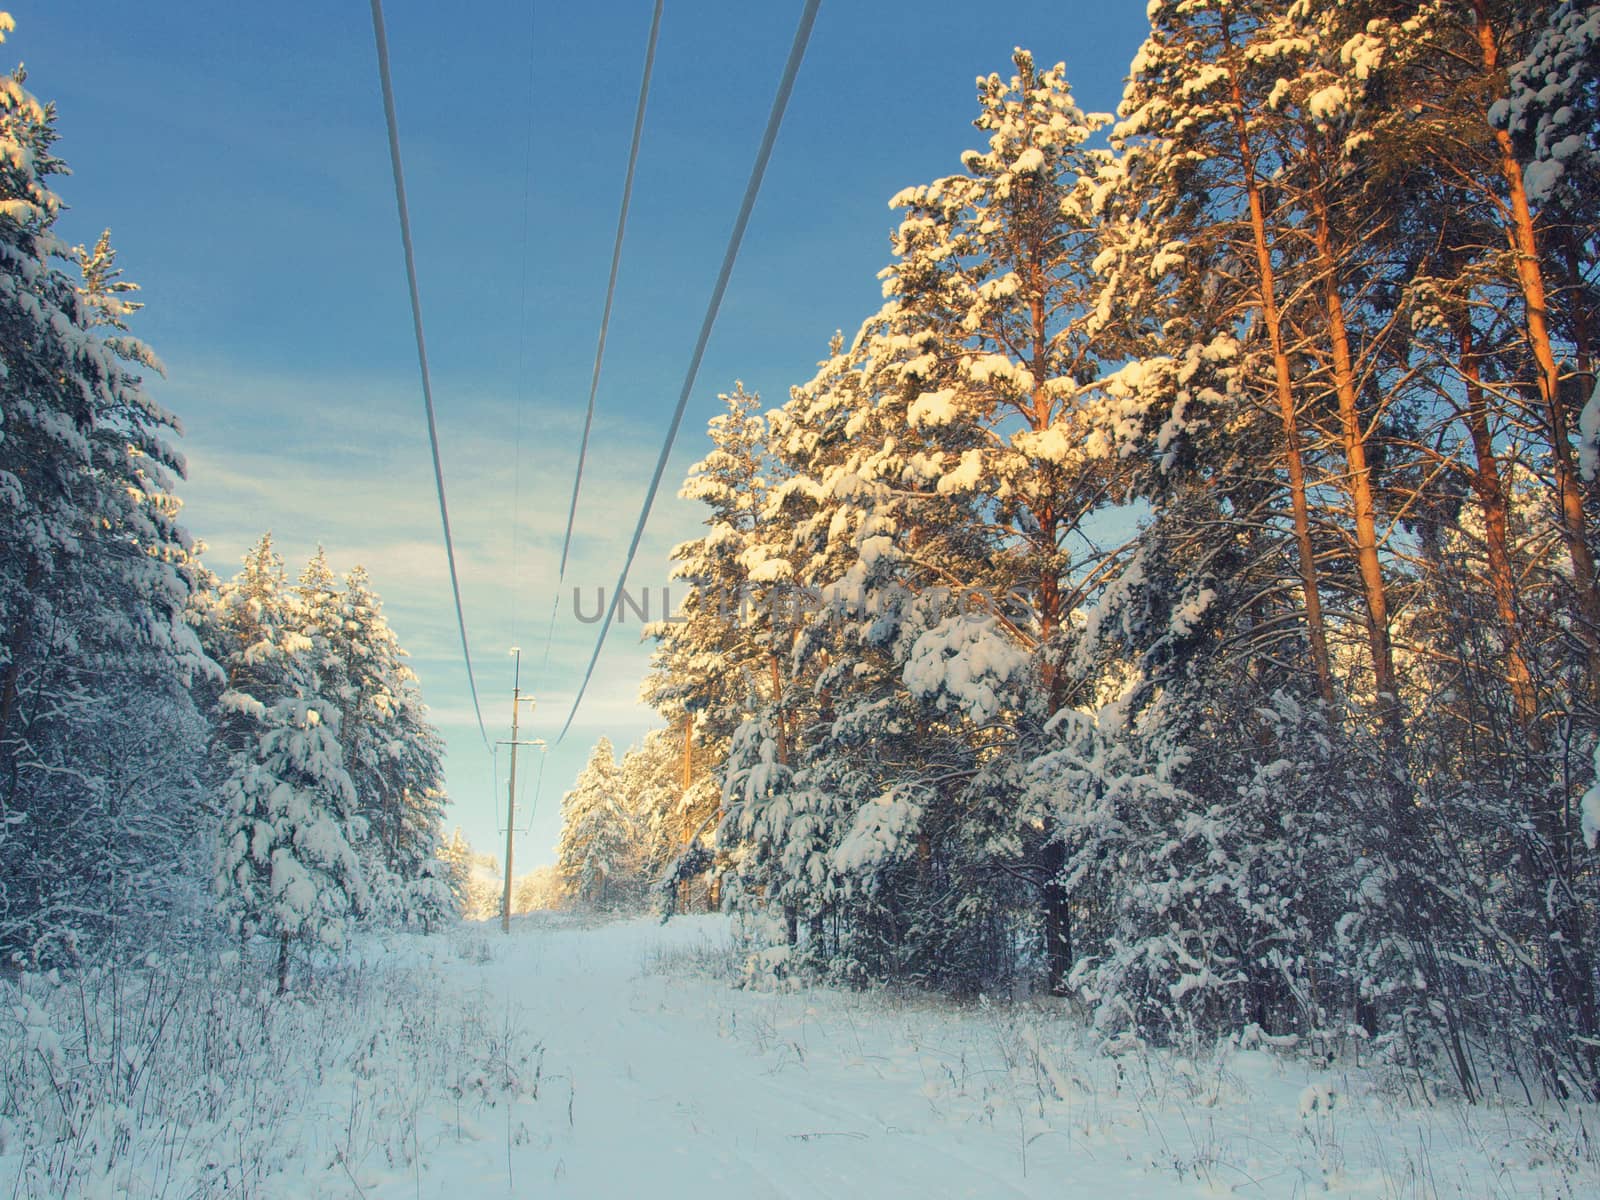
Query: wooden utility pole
(511, 786)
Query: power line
(605, 315)
(422, 348)
(774, 120)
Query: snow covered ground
(616, 1061)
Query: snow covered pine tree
(99, 737)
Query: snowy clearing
(616, 1060)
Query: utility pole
(511, 786)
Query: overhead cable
(774, 121)
(382, 41)
(605, 314)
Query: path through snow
(616, 1061)
(655, 1078)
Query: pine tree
(249, 627)
(329, 646)
(596, 837)
(393, 754)
(714, 657)
(1197, 245)
(287, 866)
(671, 818)
(954, 458)
(537, 891)
(721, 657)
(456, 855)
(474, 879)
(1516, 73)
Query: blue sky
(237, 152)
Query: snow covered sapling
(287, 868)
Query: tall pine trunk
(1055, 898)
(1358, 479)
(1490, 490)
(1293, 452)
